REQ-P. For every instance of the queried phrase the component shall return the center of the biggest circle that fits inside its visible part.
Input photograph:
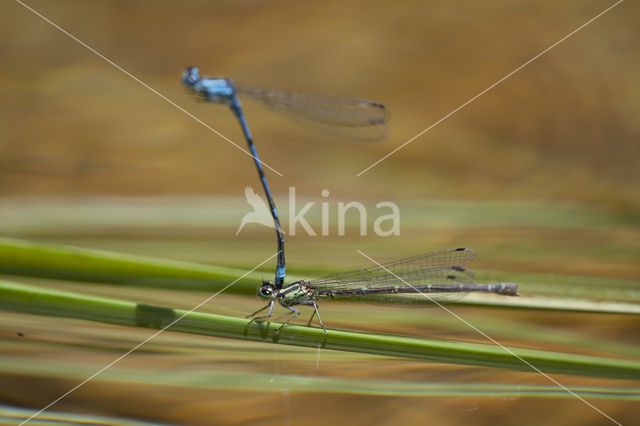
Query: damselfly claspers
(422, 279)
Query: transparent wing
(422, 269)
(439, 274)
(354, 118)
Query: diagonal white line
(145, 85)
(486, 336)
(490, 87)
(147, 339)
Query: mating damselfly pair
(427, 278)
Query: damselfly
(332, 112)
(420, 280)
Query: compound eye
(192, 74)
(267, 291)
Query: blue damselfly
(332, 112)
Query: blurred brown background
(539, 174)
(563, 128)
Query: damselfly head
(190, 76)
(267, 291)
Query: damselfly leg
(296, 313)
(269, 305)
